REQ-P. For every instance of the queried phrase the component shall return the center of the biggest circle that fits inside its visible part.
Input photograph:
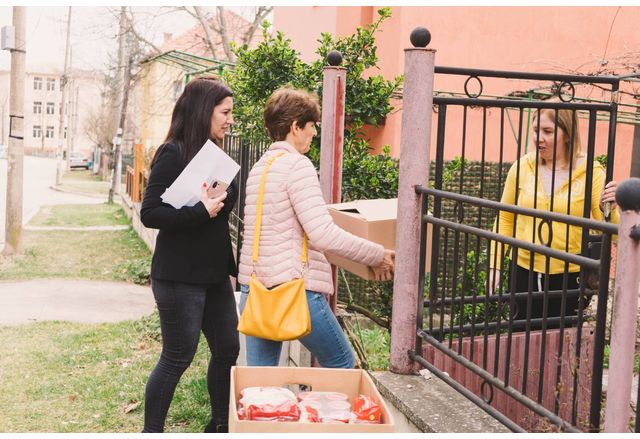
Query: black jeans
(554, 305)
(185, 309)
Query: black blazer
(190, 247)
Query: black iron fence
(509, 312)
(246, 155)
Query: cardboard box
(374, 220)
(352, 382)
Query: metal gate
(526, 347)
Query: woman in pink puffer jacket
(292, 206)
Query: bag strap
(256, 234)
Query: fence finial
(628, 194)
(334, 58)
(420, 37)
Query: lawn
(80, 180)
(71, 377)
(68, 377)
(86, 215)
(118, 255)
(106, 255)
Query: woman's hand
(495, 280)
(213, 205)
(609, 196)
(385, 270)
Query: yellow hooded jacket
(527, 226)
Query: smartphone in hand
(216, 189)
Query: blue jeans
(326, 341)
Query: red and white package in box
(325, 407)
(365, 411)
(268, 404)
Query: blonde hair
(566, 121)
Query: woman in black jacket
(193, 259)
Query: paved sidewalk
(78, 228)
(81, 301)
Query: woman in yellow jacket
(539, 182)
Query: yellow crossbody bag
(280, 313)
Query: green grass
(70, 377)
(76, 255)
(377, 344)
(82, 216)
(80, 175)
(84, 181)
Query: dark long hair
(191, 119)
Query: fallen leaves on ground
(131, 406)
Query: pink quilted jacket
(292, 202)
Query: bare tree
(219, 32)
(102, 125)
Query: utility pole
(123, 94)
(73, 117)
(70, 112)
(15, 168)
(63, 106)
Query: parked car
(78, 160)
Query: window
(37, 131)
(37, 107)
(51, 84)
(37, 83)
(51, 108)
(65, 132)
(49, 132)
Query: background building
(42, 105)
(163, 76)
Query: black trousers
(554, 305)
(185, 310)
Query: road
(39, 176)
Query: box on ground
(352, 382)
(374, 220)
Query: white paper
(210, 164)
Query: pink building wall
(534, 39)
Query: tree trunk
(119, 99)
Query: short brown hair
(287, 105)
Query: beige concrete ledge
(432, 406)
